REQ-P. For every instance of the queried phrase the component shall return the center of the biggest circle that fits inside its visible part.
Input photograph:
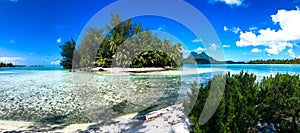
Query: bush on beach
(245, 101)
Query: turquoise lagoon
(54, 95)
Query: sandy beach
(170, 119)
(153, 71)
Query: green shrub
(275, 99)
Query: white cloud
(226, 46)
(11, 59)
(197, 40)
(57, 62)
(253, 28)
(58, 40)
(292, 54)
(199, 49)
(236, 30)
(256, 50)
(161, 28)
(214, 46)
(225, 28)
(232, 29)
(276, 48)
(231, 2)
(275, 41)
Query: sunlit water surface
(54, 95)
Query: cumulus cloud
(58, 40)
(197, 40)
(256, 50)
(235, 30)
(198, 50)
(226, 46)
(214, 46)
(231, 2)
(11, 59)
(275, 41)
(292, 54)
(57, 62)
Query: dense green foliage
(6, 64)
(126, 44)
(67, 50)
(280, 101)
(274, 61)
(275, 99)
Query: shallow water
(58, 96)
(54, 95)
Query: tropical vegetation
(123, 43)
(6, 64)
(245, 101)
(67, 52)
(276, 61)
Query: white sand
(170, 119)
(158, 71)
(31, 126)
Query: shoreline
(124, 70)
(169, 119)
(149, 71)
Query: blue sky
(32, 30)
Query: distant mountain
(203, 58)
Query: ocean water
(54, 95)
(260, 70)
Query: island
(6, 64)
(275, 61)
(132, 73)
(124, 44)
(203, 58)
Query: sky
(32, 30)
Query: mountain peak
(203, 58)
(193, 54)
(201, 55)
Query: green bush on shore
(245, 101)
(6, 64)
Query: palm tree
(68, 49)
